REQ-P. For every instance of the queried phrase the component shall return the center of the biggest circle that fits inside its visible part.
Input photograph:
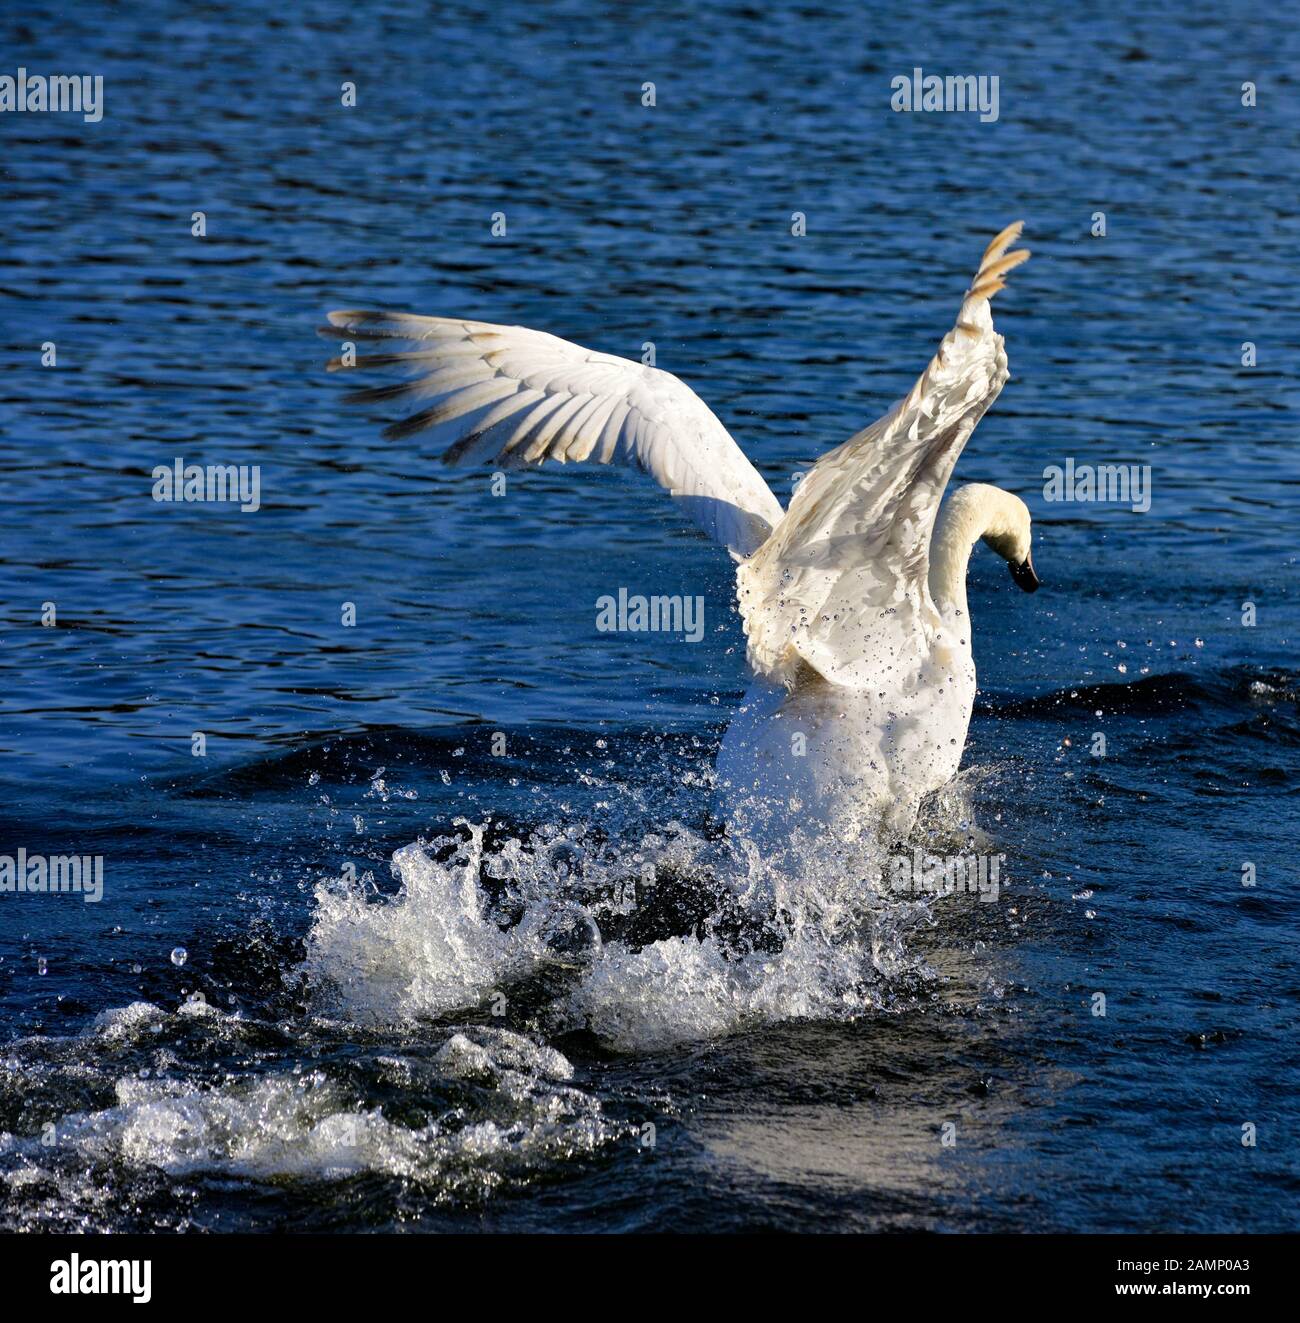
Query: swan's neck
(950, 550)
(965, 518)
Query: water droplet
(41, 965)
(179, 956)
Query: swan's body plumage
(854, 608)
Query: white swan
(857, 624)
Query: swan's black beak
(1026, 580)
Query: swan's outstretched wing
(509, 396)
(841, 584)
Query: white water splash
(437, 946)
(308, 1125)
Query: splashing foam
(307, 1125)
(442, 944)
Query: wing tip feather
(1001, 242)
(997, 262)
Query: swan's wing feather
(512, 397)
(841, 584)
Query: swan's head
(1007, 531)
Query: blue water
(374, 1063)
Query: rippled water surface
(440, 932)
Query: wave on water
(1230, 690)
(476, 1108)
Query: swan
(853, 599)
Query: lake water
(519, 1026)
